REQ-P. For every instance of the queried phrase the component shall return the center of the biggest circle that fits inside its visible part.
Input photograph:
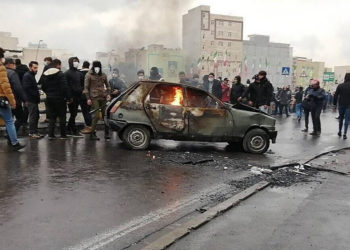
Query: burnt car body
(161, 110)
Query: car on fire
(161, 110)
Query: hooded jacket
(260, 93)
(21, 70)
(74, 79)
(216, 88)
(5, 87)
(30, 87)
(54, 84)
(16, 86)
(342, 94)
(237, 91)
(117, 84)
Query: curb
(169, 238)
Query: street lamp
(37, 50)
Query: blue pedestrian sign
(285, 71)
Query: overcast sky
(318, 29)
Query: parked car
(161, 110)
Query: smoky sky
(315, 28)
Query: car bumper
(116, 125)
(273, 136)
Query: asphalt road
(80, 194)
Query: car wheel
(256, 141)
(137, 137)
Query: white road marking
(102, 239)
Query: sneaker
(77, 135)
(305, 130)
(86, 130)
(345, 137)
(107, 138)
(299, 119)
(315, 133)
(52, 137)
(17, 146)
(339, 134)
(35, 136)
(63, 137)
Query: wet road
(83, 194)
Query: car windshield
(200, 99)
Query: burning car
(160, 110)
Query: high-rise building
(305, 69)
(274, 58)
(212, 42)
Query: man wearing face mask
(141, 75)
(117, 84)
(73, 77)
(31, 90)
(97, 91)
(213, 86)
(85, 109)
(237, 90)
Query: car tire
(256, 141)
(137, 137)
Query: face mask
(114, 75)
(97, 70)
(3, 60)
(45, 63)
(75, 64)
(140, 77)
(211, 79)
(235, 81)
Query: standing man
(342, 96)
(213, 86)
(85, 109)
(47, 65)
(237, 90)
(18, 92)
(182, 78)
(54, 85)
(141, 75)
(8, 102)
(21, 69)
(116, 83)
(298, 103)
(284, 98)
(306, 104)
(317, 96)
(74, 80)
(97, 91)
(154, 74)
(259, 92)
(31, 90)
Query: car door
(207, 117)
(164, 107)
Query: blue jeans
(6, 115)
(299, 110)
(344, 114)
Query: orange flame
(178, 97)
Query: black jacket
(216, 89)
(342, 94)
(299, 97)
(74, 79)
(117, 84)
(260, 93)
(16, 86)
(317, 96)
(237, 91)
(21, 70)
(54, 84)
(30, 87)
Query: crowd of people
(89, 88)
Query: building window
(212, 33)
(203, 36)
(229, 44)
(221, 44)
(229, 23)
(212, 43)
(212, 22)
(219, 53)
(203, 46)
(220, 33)
(229, 34)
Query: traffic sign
(328, 77)
(285, 71)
